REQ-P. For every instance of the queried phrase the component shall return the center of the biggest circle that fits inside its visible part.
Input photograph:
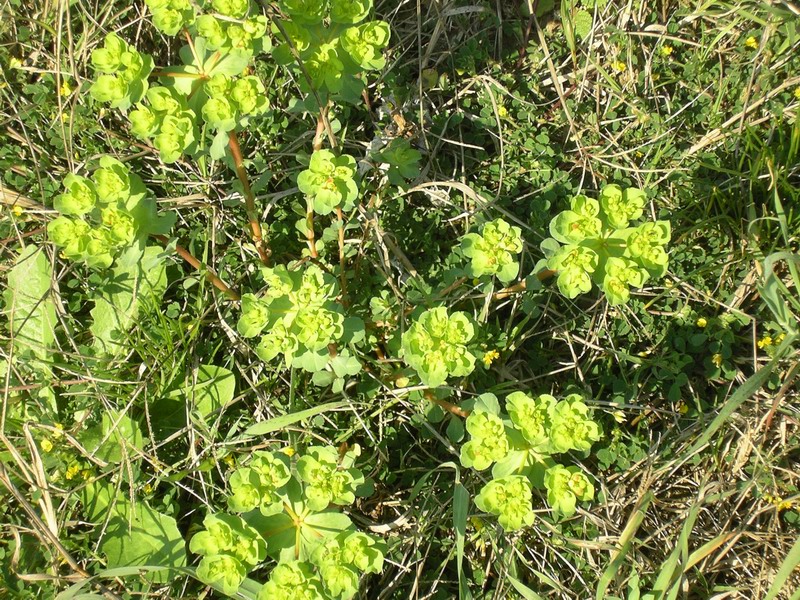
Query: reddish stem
(249, 197)
(210, 275)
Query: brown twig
(249, 197)
(342, 272)
(448, 406)
(210, 275)
(521, 286)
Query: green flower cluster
(280, 503)
(510, 498)
(329, 181)
(325, 482)
(230, 549)
(520, 444)
(168, 121)
(435, 346)
(600, 246)
(103, 215)
(332, 44)
(259, 485)
(493, 250)
(123, 73)
(229, 100)
(300, 316)
(565, 486)
(232, 32)
(170, 16)
(333, 571)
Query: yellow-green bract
(435, 345)
(599, 245)
(493, 251)
(329, 181)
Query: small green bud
(78, 198)
(108, 88)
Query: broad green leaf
(144, 536)
(213, 388)
(116, 439)
(118, 302)
(29, 305)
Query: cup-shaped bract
(565, 487)
(79, 196)
(108, 59)
(249, 95)
(493, 251)
(531, 417)
(572, 427)
(170, 16)
(329, 181)
(292, 579)
(236, 9)
(435, 346)
(488, 443)
(350, 12)
(508, 498)
(365, 43)
(620, 207)
(254, 317)
(325, 481)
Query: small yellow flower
(17, 210)
(717, 360)
(288, 451)
(764, 342)
(229, 460)
(59, 430)
(65, 89)
(72, 471)
(619, 416)
(64, 117)
(46, 445)
(797, 92)
(86, 473)
(502, 112)
(14, 63)
(666, 50)
(701, 323)
(619, 66)
(490, 357)
(147, 488)
(751, 42)
(683, 408)
(779, 338)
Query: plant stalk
(249, 197)
(210, 275)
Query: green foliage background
(694, 381)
